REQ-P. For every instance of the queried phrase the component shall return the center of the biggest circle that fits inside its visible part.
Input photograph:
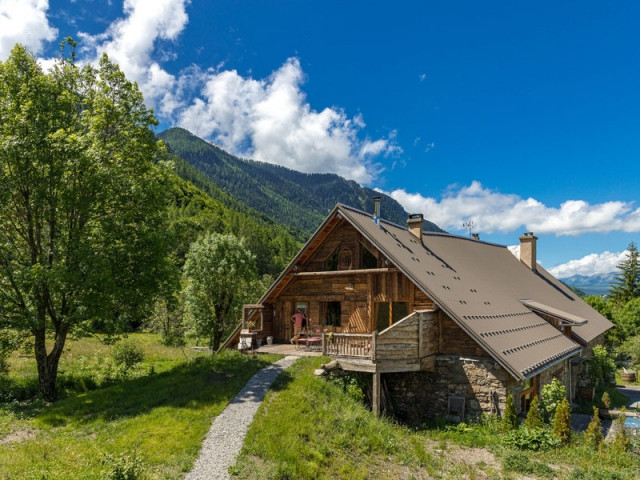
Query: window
(367, 259)
(529, 390)
(332, 312)
(388, 313)
(332, 261)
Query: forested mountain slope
(197, 206)
(296, 199)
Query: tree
(552, 395)
(509, 419)
(219, 276)
(534, 417)
(562, 422)
(626, 285)
(593, 435)
(82, 240)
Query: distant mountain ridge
(299, 200)
(598, 284)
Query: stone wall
(421, 396)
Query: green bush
(631, 347)
(602, 368)
(123, 468)
(509, 419)
(520, 463)
(562, 422)
(127, 354)
(593, 435)
(534, 417)
(531, 439)
(592, 474)
(552, 395)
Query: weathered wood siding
(399, 341)
(455, 341)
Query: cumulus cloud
(132, 42)
(592, 264)
(25, 22)
(270, 120)
(492, 211)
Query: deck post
(324, 344)
(374, 342)
(375, 397)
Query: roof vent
(528, 250)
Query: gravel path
(226, 435)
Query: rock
(331, 366)
(319, 372)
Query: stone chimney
(415, 225)
(528, 250)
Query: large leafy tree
(219, 275)
(626, 285)
(81, 204)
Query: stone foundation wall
(420, 396)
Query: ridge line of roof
(424, 232)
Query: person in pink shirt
(299, 320)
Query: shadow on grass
(194, 385)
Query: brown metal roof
(482, 286)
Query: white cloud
(592, 264)
(270, 120)
(492, 211)
(25, 22)
(132, 42)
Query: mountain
(298, 200)
(592, 284)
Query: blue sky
(516, 116)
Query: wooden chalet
(445, 324)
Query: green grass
(160, 417)
(309, 428)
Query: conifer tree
(534, 417)
(626, 285)
(509, 419)
(621, 440)
(562, 422)
(593, 435)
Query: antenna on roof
(469, 226)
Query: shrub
(509, 419)
(127, 354)
(534, 417)
(562, 422)
(123, 468)
(520, 463)
(621, 441)
(531, 439)
(593, 435)
(606, 400)
(631, 347)
(552, 395)
(601, 367)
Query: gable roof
(482, 287)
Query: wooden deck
(408, 345)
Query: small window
(332, 314)
(332, 261)
(388, 313)
(367, 259)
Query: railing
(360, 345)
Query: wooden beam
(344, 272)
(375, 397)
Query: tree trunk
(48, 363)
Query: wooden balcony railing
(360, 345)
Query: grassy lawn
(309, 428)
(158, 415)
